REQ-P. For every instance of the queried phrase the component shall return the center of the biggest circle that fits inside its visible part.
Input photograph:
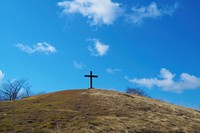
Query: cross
(91, 76)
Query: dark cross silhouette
(91, 76)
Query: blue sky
(148, 44)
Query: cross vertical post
(90, 79)
(91, 76)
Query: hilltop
(95, 111)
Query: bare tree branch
(10, 90)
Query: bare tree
(14, 89)
(137, 91)
(28, 91)
(1, 96)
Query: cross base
(91, 88)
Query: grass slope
(94, 111)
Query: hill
(95, 111)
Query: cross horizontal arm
(94, 76)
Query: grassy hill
(95, 111)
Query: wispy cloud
(113, 70)
(166, 81)
(98, 48)
(43, 47)
(97, 11)
(79, 65)
(153, 11)
(106, 11)
(1, 76)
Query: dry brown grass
(95, 111)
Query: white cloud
(166, 81)
(78, 65)
(113, 71)
(39, 47)
(99, 49)
(97, 11)
(152, 11)
(106, 12)
(1, 76)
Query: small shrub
(137, 91)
